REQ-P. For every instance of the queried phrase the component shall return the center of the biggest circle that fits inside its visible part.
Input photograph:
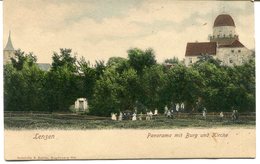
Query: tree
(120, 64)
(21, 58)
(173, 60)
(152, 83)
(183, 84)
(207, 58)
(139, 59)
(64, 59)
(23, 85)
(89, 78)
(215, 81)
(105, 98)
(63, 82)
(100, 67)
(240, 92)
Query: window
(230, 61)
(239, 51)
(232, 51)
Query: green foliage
(120, 64)
(152, 81)
(136, 83)
(139, 59)
(173, 60)
(207, 58)
(23, 89)
(183, 85)
(65, 59)
(63, 83)
(21, 59)
(88, 79)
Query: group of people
(234, 114)
(168, 113)
(122, 116)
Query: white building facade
(224, 44)
(81, 105)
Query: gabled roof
(235, 43)
(197, 49)
(9, 45)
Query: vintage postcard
(128, 79)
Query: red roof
(224, 20)
(235, 43)
(197, 49)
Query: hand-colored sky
(99, 29)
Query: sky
(100, 29)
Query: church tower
(8, 50)
(224, 30)
(224, 44)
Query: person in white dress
(221, 116)
(134, 117)
(182, 106)
(113, 116)
(120, 117)
(155, 112)
(147, 116)
(151, 115)
(177, 107)
(204, 114)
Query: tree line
(120, 84)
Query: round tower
(224, 30)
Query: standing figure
(169, 114)
(234, 115)
(182, 106)
(204, 113)
(113, 116)
(151, 115)
(120, 117)
(221, 116)
(177, 107)
(140, 116)
(165, 110)
(155, 112)
(147, 116)
(134, 117)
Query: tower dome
(224, 30)
(224, 20)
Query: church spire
(9, 45)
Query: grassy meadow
(80, 122)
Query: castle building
(8, 50)
(224, 44)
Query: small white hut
(81, 105)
